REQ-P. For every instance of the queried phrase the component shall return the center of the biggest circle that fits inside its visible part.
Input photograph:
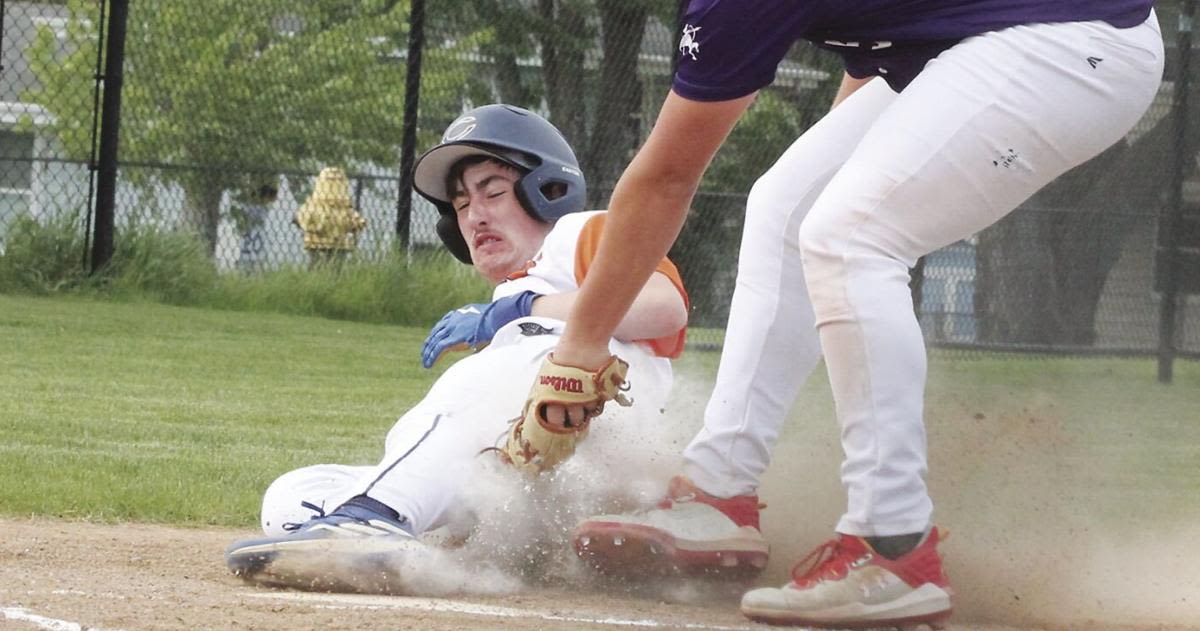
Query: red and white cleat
(846, 584)
(689, 532)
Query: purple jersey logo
(688, 44)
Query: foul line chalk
(441, 605)
(52, 624)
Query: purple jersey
(730, 48)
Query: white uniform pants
(431, 451)
(834, 226)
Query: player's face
(501, 236)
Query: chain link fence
(230, 110)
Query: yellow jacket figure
(328, 219)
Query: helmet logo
(688, 44)
(459, 129)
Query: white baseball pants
(834, 226)
(431, 451)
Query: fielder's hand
(535, 443)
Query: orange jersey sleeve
(585, 252)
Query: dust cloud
(1052, 523)
(1041, 536)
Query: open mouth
(484, 239)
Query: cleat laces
(319, 510)
(830, 561)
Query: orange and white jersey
(564, 260)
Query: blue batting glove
(473, 326)
(452, 332)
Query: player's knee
(822, 244)
(776, 195)
(845, 264)
(291, 497)
(835, 237)
(763, 216)
(281, 505)
(822, 251)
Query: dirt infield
(1055, 525)
(55, 574)
(67, 575)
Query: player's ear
(554, 190)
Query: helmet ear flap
(531, 188)
(451, 235)
(528, 201)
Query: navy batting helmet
(516, 137)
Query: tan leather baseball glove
(533, 443)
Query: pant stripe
(437, 419)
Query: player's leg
(431, 452)
(770, 344)
(709, 520)
(984, 127)
(429, 455)
(429, 463)
(324, 532)
(430, 459)
(299, 495)
(980, 130)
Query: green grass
(117, 411)
(158, 413)
(1102, 430)
(395, 291)
(152, 264)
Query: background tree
(576, 59)
(221, 93)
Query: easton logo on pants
(563, 383)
